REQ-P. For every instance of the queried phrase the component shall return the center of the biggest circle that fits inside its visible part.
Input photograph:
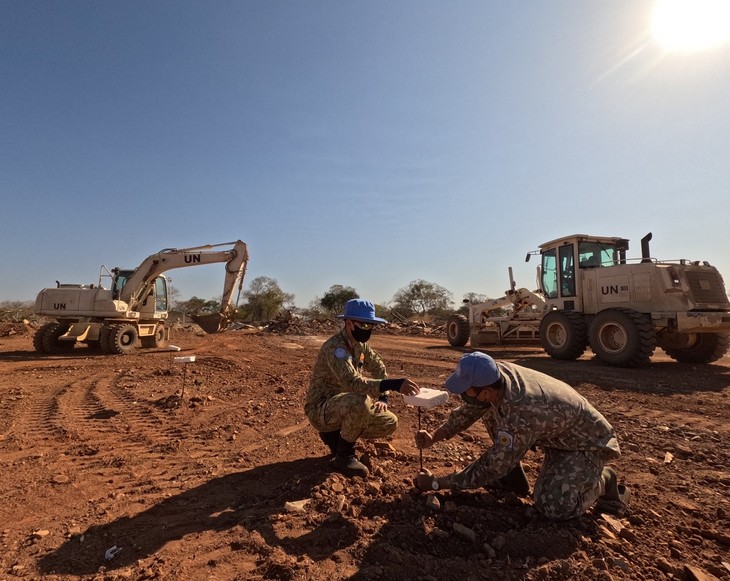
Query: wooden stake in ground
(184, 361)
(427, 398)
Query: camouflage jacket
(536, 410)
(339, 369)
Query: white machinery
(590, 294)
(135, 306)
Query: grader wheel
(457, 330)
(563, 334)
(700, 348)
(622, 337)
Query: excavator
(134, 309)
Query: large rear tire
(700, 348)
(563, 334)
(122, 339)
(457, 330)
(622, 338)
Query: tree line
(264, 300)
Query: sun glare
(691, 25)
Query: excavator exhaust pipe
(213, 323)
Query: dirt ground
(138, 467)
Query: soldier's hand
(380, 407)
(424, 480)
(423, 439)
(409, 387)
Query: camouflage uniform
(539, 410)
(340, 398)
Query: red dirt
(97, 452)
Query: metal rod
(420, 450)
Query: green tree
(264, 299)
(195, 306)
(335, 298)
(423, 297)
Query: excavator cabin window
(119, 281)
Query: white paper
(428, 398)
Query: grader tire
(563, 335)
(457, 330)
(622, 338)
(701, 348)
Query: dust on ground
(138, 467)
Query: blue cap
(473, 370)
(360, 310)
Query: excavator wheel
(38, 337)
(46, 339)
(700, 348)
(622, 337)
(159, 339)
(457, 330)
(104, 334)
(121, 339)
(563, 334)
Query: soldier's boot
(615, 497)
(331, 439)
(346, 462)
(514, 481)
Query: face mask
(361, 335)
(471, 400)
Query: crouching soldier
(521, 409)
(342, 403)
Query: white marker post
(427, 398)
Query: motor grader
(134, 308)
(591, 295)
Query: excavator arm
(139, 284)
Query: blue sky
(367, 144)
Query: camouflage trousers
(569, 482)
(354, 415)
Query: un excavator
(134, 309)
(591, 295)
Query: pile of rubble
(296, 326)
(12, 329)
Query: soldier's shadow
(251, 499)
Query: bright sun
(691, 25)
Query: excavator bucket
(213, 323)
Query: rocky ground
(138, 467)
